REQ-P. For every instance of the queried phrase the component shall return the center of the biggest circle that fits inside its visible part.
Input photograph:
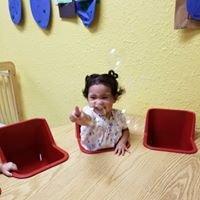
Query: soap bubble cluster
(135, 123)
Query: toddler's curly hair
(109, 80)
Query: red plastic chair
(170, 130)
(30, 145)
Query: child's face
(101, 99)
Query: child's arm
(80, 117)
(5, 168)
(121, 147)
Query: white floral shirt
(103, 132)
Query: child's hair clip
(113, 74)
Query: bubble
(128, 117)
(112, 51)
(135, 123)
(123, 111)
(128, 121)
(117, 65)
(114, 59)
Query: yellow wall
(159, 66)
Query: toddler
(102, 126)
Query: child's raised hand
(79, 117)
(7, 167)
(75, 115)
(77, 111)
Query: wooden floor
(141, 175)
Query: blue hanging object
(193, 8)
(15, 9)
(86, 11)
(41, 11)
